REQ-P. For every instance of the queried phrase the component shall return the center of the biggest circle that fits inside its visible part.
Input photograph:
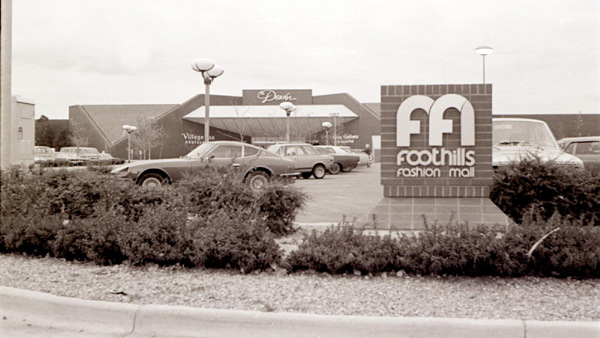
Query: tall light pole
(483, 51)
(289, 108)
(209, 71)
(326, 126)
(129, 129)
(335, 115)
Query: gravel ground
(527, 298)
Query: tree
(78, 136)
(43, 132)
(241, 114)
(147, 136)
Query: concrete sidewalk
(35, 314)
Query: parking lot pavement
(351, 194)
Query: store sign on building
(194, 139)
(346, 138)
(271, 95)
(276, 96)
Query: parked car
(108, 159)
(342, 160)
(586, 148)
(43, 155)
(515, 138)
(259, 166)
(308, 161)
(76, 155)
(365, 160)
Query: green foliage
(278, 206)
(548, 188)
(208, 220)
(456, 249)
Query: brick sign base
(408, 213)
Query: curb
(128, 320)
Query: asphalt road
(351, 194)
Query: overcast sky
(546, 55)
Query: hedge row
(211, 219)
(456, 249)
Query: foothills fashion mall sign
(436, 140)
(436, 156)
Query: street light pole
(483, 51)
(335, 115)
(129, 129)
(326, 126)
(209, 71)
(289, 108)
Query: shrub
(456, 249)
(158, 236)
(93, 239)
(278, 206)
(224, 241)
(342, 249)
(216, 190)
(548, 188)
(91, 216)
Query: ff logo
(437, 124)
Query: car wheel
(319, 171)
(258, 179)
(151, 180)
(335, 169)
(306, 175)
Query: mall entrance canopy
(269, 122)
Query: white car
(514, 139)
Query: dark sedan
(342, 160)
(259, 165)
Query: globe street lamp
(209, 71)
(326, 126)
(129, 129)
(483, 51)
(289, 108)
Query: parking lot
(351, 194)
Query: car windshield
(346, 149)
(326, 151)
(201, 150)
(522, 133)
(43, 151)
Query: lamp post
(326, 126)
(289, 108)
(483, 51)
(335, 115)
(129, 129)
(209, 71)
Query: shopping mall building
(255, 117)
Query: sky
(546, 56)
